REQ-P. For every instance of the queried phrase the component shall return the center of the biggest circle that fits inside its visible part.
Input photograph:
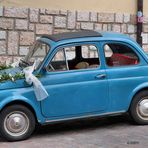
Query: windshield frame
(35, 45)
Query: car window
(89, 51)
(117, 54)
(70, 52)
(75, 58)
(58, 58)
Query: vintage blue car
(85, 73)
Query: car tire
(17, 123)
(139, 108)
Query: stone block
(71, 24)
(124, 28)
(119, 18)
(31, 27)
(145, 48)
(144, 38)
(94, 16)
(133, 19)
(3, 35)
(106, 17)
(42, 11)
(87, 26)
(53, 12)
(34, 15)
(16, 12)
(1, 10)
(145, 28)
(7, 60)
(43, 29)
(27, 38)
(109, 27)
(83, 16)
(23, 50)
(46, 19)
(98, 27)
(13, 39)
(6, 23)
(126, 18)
(105, 27)
(116, 28)
(16, 59)
(63, 12)
(60, 22)
(21, 24)
(78, 25)
(2, 47)
(130, 28)
(145, 19)
(40, 53)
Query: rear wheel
(139, 108)
(17, 122)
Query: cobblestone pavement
(111, 132)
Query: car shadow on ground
(80, 125)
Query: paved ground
(112, 132)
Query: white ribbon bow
(39, 90)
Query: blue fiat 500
(85, 73)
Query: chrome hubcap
(16, 123)
(142, 109)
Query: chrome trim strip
(88, 116)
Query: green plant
(5, 77)
(9, 77)
(3, 67)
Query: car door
(75, 90)
(125, 69)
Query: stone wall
(19, 27)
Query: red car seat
(120, 59)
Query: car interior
(120, 55)
(77, 62)
(115, 55)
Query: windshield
(37, 52)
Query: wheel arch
(32, 106)
(141, 89)
(20, 102)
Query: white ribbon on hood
(39, 90)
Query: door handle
(100, 76)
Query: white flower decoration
(12, 79)
(10, 75)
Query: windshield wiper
(23, 63)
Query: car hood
(12, 71)
(9, 84)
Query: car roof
(84, 34)
(72, 35)
(109, 34)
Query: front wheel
(17, 122)
(139, 108)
